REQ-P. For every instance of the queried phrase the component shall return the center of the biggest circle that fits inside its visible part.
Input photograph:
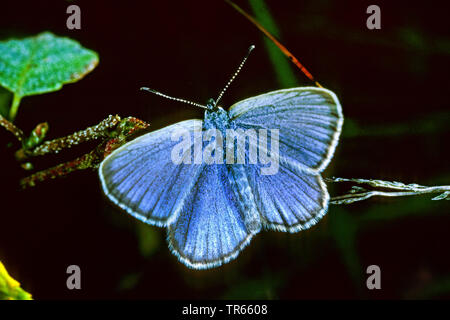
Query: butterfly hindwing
(290, 200)
(210, 229)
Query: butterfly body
(239, 181)
(216, 196)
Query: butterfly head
(211, 105)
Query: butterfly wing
(210, 229)
(309, 119)
(142, 178)
(290, 200)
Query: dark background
(393, 85)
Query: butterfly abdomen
(242, 191)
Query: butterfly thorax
(216, 118)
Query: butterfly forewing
(290, 200)
(142, 178)
(309, 121)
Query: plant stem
(99, 131)
(397, 189)
(113, 131)
(281, 66)
(14, 107)
(8, 125)
(89, 160)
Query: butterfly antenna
(235, 74)
(173, 98)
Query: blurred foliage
(396, 210)
(437, 288)
(281, 65)
(429, 124)
(264, 287)
(149, 240)
(343, 231)
(9, 288)
(41, 64)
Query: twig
(358, 193)
(89, 160)
(8, 125)
(114, 132)
(54, 146)
(282, 48)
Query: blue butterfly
(212, 210)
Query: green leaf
(9, 288)
(436, 289)
(41, 64)
(129, 281)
